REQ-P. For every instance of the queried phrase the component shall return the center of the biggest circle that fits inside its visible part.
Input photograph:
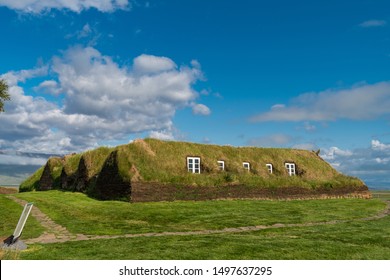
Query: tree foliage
(4, 96)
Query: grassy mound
(115, 173)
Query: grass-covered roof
(151, 160)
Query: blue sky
(299, 74)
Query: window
(290, 168)
(193, 164)
(246, 165)
(221, 165)
(270, 168)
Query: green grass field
(10, 213)
(351, 239)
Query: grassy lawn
(355, 240)
(80, 214)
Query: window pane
(193, 164)
(290, 168)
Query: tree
(4, 96)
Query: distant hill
(153, 170)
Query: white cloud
(100, 101)
(96, 86)
(15, 159)
(378, 146)
(88, 34)
(200, 109)
(372, 164)
(14, 77)
(38, 6)
(49, 86)
(373, 23)
(150, 64)
(361, 102)
(85, 32)
(162, 135)
(334, 152)
(382, 160)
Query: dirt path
(56, 233)
(53, 232)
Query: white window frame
(193, 165)
(246, 165)
(221, 165)
(270, 168)
(290, 168)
